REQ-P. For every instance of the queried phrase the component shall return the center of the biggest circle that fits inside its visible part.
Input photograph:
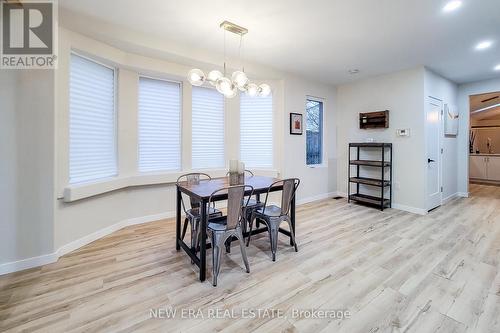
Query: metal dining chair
(252, 204)
(193, 212)
(224, 227)
(273, 215)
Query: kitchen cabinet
(493, 168)
(477, 166)
(484, 167)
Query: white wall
(27, 168)
(76, 220)
(464, 91)
(402, 94)
(8, 166)
(37, 221)
(319, 180)
(446, 91)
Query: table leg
(203, 240)
(257, 222)
(178, 220)
(292, 218)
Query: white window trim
(273, 137)
(73, 192)
(115, 111)
(324, 157)
(81, 191)
(225, 115)
(181, 102)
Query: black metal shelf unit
(372, 200)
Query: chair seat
(271, 211)
(252, 203)
(195, 212)
(218, 224)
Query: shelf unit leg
(390, 177)
(383, 175)
(357, 173)
(349, 176)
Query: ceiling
(485, 106)
(318, 39)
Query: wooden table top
(206, 187)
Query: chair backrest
(249, 172)
(290, 186)
(191, 179)
(235, 195)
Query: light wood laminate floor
(394, 271)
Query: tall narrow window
(159, 125)
(92, 121)
(314, 132)
(256, 131)
(207, 129)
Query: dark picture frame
(296, 124)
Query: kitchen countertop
(482, 154)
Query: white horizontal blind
(256, 131)
(207, 129)
(92, 125)
(159, 125)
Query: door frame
(438, 102)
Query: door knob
(429, 160)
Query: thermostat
(403, 132)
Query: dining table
(201, 192)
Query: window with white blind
(159, 125)
(256, 131)
(207, 129)
(92, 121)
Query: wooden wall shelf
(378, 119)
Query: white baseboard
(20, 265)
(409, 209)
(405, 208)
(449, 198)
(76, 244)
(463, 194)
(52, 257)
(316, 198)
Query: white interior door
(433, 149)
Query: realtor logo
(28, 34)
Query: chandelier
(238, 81)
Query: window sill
(81, 191)
(317, 166)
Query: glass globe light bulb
(252, 89)
(231, 93)
(196, 77)
(224, 86)
(264, 90)
(213, 76)
(240, 79)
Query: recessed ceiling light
(354, 71)
(452, 5)
(497, 67)
(485, 44)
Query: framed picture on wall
(296, 123)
